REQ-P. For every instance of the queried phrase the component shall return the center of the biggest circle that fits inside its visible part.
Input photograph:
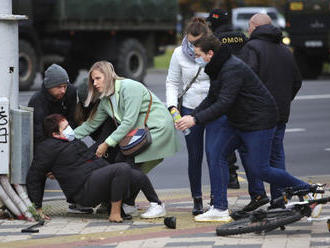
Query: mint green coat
(133, 100)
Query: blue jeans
(195, 147)
(277, 160)
(258, 146)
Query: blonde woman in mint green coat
(130, 101)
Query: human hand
(42, 215)
(50, 175)
(185, 122)
(102, 149)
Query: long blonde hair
(110, 76)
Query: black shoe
(233, 181)
(255, 203)
(125, 216)
(104, 208)
(279, 204)
(78, 209)
(198, 206)
(239, 214)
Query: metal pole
(8, 76)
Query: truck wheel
(132, 60)
(310, 68)
(27, 65)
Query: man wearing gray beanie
(56, 96)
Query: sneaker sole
(154, 217)
(215, 220)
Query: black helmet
(218, 17)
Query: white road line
(312, 97)
(327, 149)
(291, 130)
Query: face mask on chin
(201, 61)
(68, 133)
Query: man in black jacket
(234, 40)
(56, 96)
(84, 178)
(275, 65)
(237, 92)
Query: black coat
(70, 162)
(44, 104)
(236, 91)
(274, 64)
(234, 40)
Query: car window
(272, 15)
(244, 16)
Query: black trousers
(138, 180)
(107, 184)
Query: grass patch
(326, 68)
(163, 61)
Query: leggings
(107, 184)
(139, 180)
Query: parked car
(241, 16)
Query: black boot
(198, 206)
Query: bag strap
(190, 83)
(149, 108)
(145, 119)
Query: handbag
(138, 139)
(180, 97)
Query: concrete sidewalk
(93, 230)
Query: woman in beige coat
(130, 101)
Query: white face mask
(201, 61)
(68, 133)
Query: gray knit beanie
(54, 76)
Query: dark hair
(197, 26)
(207, 43)
(51, 124)
(83, 113)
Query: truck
(308, 27)
(77, 33)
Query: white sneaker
(214, 214)
(154, 211)
(129, 209)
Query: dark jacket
(234, 40)
(45, 104)
(274, 64)
(70, 162)
(236, 91)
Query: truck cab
(77, 33)
(308, 26)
